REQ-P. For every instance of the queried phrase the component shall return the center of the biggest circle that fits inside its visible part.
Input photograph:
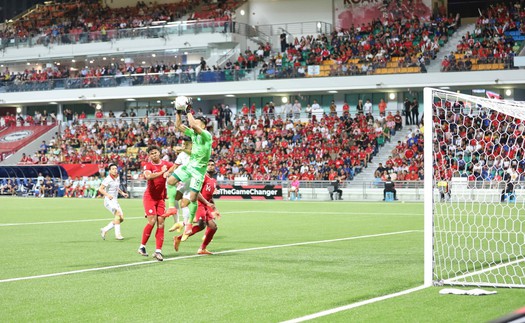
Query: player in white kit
(183, 190)
(110, 189)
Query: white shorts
(184, 188)
(112, 206)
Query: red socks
(146, 233)
(209, 236)
(159, 237)
(194, 230)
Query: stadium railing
(183, 77)
(145, 79)
(165, 30)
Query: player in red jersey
(155, 172)
(206, 212)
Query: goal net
(475, 216)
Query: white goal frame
(511, 108)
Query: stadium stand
(496, 40)
(87, 21)
(277, 146)
(477, 157)
(90, 21)
(333, 145)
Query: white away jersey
(182, 159)
(112, 185)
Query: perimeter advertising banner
(357, 12)
(249, 192)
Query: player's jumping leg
(172, 203)
(177, 226)
(171, 190)
(192, 207)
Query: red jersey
(208, 187)
(156, 188)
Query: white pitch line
(193, 256)
(481, 271)
(60, 222)
(239, 212)
(354, 305)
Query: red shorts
(153, 207)
(205, 213)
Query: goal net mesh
(478, 203)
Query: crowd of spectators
(357, 51)
(131, 74)
(107, 140)
(406, 161)
(482, 145)
(37, 119)
(90, 20)
(112, 74)
(490, 42)
(316, 146)
(85, 21)
(363, 49)
(278, 149)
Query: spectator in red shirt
(412, 176)
(245, 110)
(346, 109)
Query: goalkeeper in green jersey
(194, 171)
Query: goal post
(428, 188)
(474, 159)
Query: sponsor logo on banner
(270, 192)
(16, 136)
(493, 95)
(350, 13)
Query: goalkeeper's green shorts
(192, 174)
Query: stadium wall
(266, 12)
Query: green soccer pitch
(274, 261)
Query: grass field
(275, 261)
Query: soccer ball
(182, 102)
